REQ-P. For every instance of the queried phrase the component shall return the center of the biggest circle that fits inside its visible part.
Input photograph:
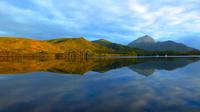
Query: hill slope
(15, 45)
(25, 45)
(118, 48)
(78, 44)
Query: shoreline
(183, 56)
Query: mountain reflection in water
(107, 85)
(143, 66)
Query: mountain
(145, 39)
(148, 43)
(118, 48)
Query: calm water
(100, 85)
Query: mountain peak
(143, 40)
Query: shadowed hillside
(117, 48)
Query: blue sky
(116, 20)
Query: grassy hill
(16, 45)
(78, 44)
(25, 45)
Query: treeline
(67, 53)
(163, 53)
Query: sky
(120, 21)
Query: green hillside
(118, 48)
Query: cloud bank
(115, 20)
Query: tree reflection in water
(143, 66)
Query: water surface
(98, 85)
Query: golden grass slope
(26, 45)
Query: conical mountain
(142, 43)
(143, 40)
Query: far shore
(182, 56)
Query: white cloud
(163, 20)
(137, 7)
(49, 6)
(2, 32)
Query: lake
(100, 85)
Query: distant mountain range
(74, 47)
(148, 43)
